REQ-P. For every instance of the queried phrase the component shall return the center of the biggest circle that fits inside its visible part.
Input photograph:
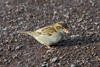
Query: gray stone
(49, 51)
(72, 65)
(54, 59)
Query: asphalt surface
(81, 48)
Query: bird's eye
(62, 27)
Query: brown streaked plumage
(49, 35)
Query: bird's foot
(48, 47)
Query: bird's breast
(49, 40)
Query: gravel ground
(81, 48)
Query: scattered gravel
(80, 48)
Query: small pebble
(55, 12)
(59, 64)
(15, 56)
(43, 65)
(77, 35)
(66, 15)
(96, 23)
(47, 65)
(49, 51)
(54, 59)
(18, 47)
(80, 19)
(73, 65)
(98, 59)
(73, 36)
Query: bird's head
(61, 27)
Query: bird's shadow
(79, 41)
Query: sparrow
(49, 35)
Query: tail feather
(27, 32)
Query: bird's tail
(26, 32)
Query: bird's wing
(46, 30)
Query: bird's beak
(65, 30)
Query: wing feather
(46, 30)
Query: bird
(49, 35)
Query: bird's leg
(49, 47)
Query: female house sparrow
(49, 35)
